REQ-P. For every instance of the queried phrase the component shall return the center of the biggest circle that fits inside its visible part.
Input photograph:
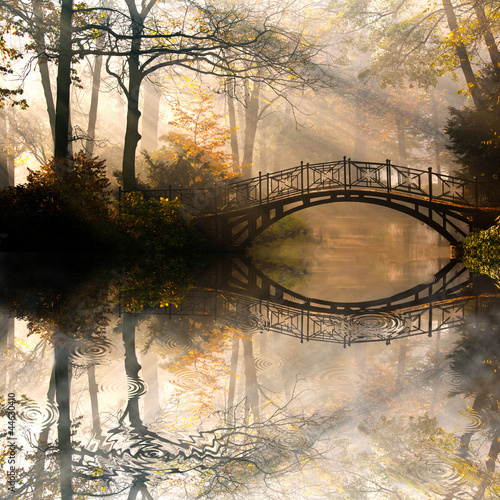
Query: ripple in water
(339, 376)
(177, 344)
(191, 380)
(438, 472)
(268, 363)
(90, 353)
(375, 325)
(38, 416)
(130, 387)
(246, 322)
(473, 421)
(452, 380)
(293, 440)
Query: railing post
(268, 191)
(349, 169)
(388, 166)
(260, 187)
(430, 192)
(307, 174)
(302, 176)
(345, 172)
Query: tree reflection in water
(370, 424)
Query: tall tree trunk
(251, 384)
(480, 402)
(152, 398)
(62, 381)
(151, 116)
(94, 102)
(463, 56)
(252, 102)
(132, 135)
(493, 453)
(62, 122)
(43, 64)
(4, 150)
(132, 368)
(403, 158)
(280, 156)
(489, 39)
(233, 377)
(6, 346)
(361, 134)
(233, 126)
(435, 126)
(42, 445)
(94, 403)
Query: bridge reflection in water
(239, 295)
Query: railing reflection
(259, 304)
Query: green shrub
(288, 227)
(481, 252)
(69, 211)
(157, 226)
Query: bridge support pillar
(216, 231)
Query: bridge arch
(243, 226)
(233, 214)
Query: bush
(481, 252)
(69, 211)
(288, 227)
(157, 227)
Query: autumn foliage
(194, 152)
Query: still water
(351, 364)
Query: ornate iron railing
(346, 175)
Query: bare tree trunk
(489, 39)
(234, 132)
(6, 345)
(151, 116)
(233, 126)
(62, 381)
(479, 403)
(251, 384)
(43, 65)
(152, 406)
(94, 403)
(435, 126)
(463, 56)
(233, 376)
(490, 466)
(94, 102)
(252, 101)
(4, 164)
(403, 158)
(132, 135)
(62, 122)
(361, 134)
(132, 368)
(42, 445)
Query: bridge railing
(345, 174)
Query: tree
(194, 154)
(210, 41)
